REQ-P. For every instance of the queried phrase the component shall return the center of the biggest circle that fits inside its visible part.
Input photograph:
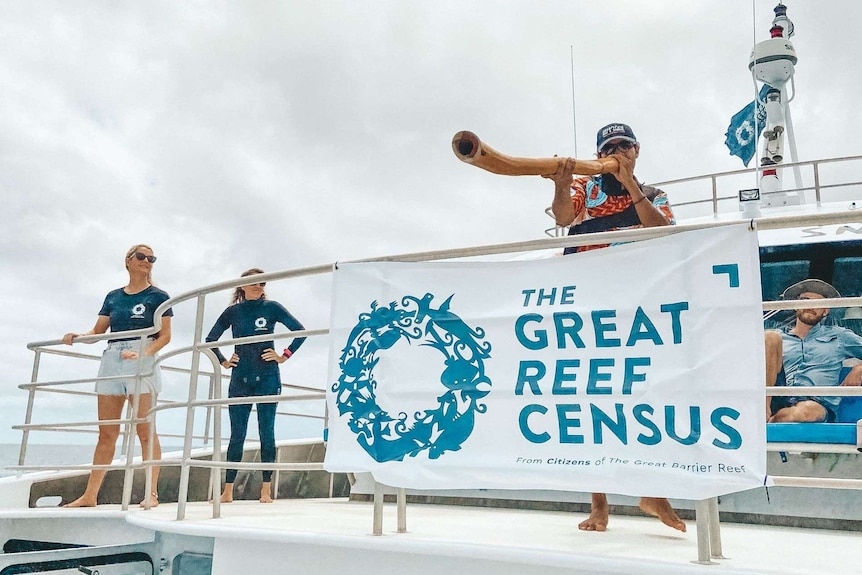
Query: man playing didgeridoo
(604, 203)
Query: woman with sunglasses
(127, 308)
(254, 372)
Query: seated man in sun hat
(809, 353)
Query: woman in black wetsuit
(255, 372)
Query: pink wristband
(287, 353)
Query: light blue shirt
(817, 359)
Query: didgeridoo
(470, 149)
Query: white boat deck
(518, 541)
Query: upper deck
(333, 536)
(478, 539)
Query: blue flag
(741, 139)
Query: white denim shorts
(112, 364)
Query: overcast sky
(286, 134)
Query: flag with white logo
(740, 137)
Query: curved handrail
(818, 188)
(199, 346)
(758, 169)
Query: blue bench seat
(844, 431)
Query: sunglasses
(623, 146)
(261, 284)
(141, 257)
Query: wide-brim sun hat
(810, 286)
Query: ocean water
(43, 454)
(40, 454)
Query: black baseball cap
(615, 131)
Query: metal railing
(681, 204)
(216, 403)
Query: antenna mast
(574, 115)
(772, 62)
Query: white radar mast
(772, 62)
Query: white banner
(636, 369)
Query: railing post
(147, 457)
(816, 167)
(209, 410)
(185, 470)
(402, 510)
(377, 527)
(714, 196)
(701, 510)
(214, 380)
(28, 416)
(714, 529)
(215, 474)
(131, 428)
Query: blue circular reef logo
(442, 428)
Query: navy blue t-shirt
(254, 317)
(133, 311)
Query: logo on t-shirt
(260, 323)
(138, 311)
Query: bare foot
(598, 519)
(82, 501)
(153, 501)
(227, 494)
(660, 507)
(265, 493)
